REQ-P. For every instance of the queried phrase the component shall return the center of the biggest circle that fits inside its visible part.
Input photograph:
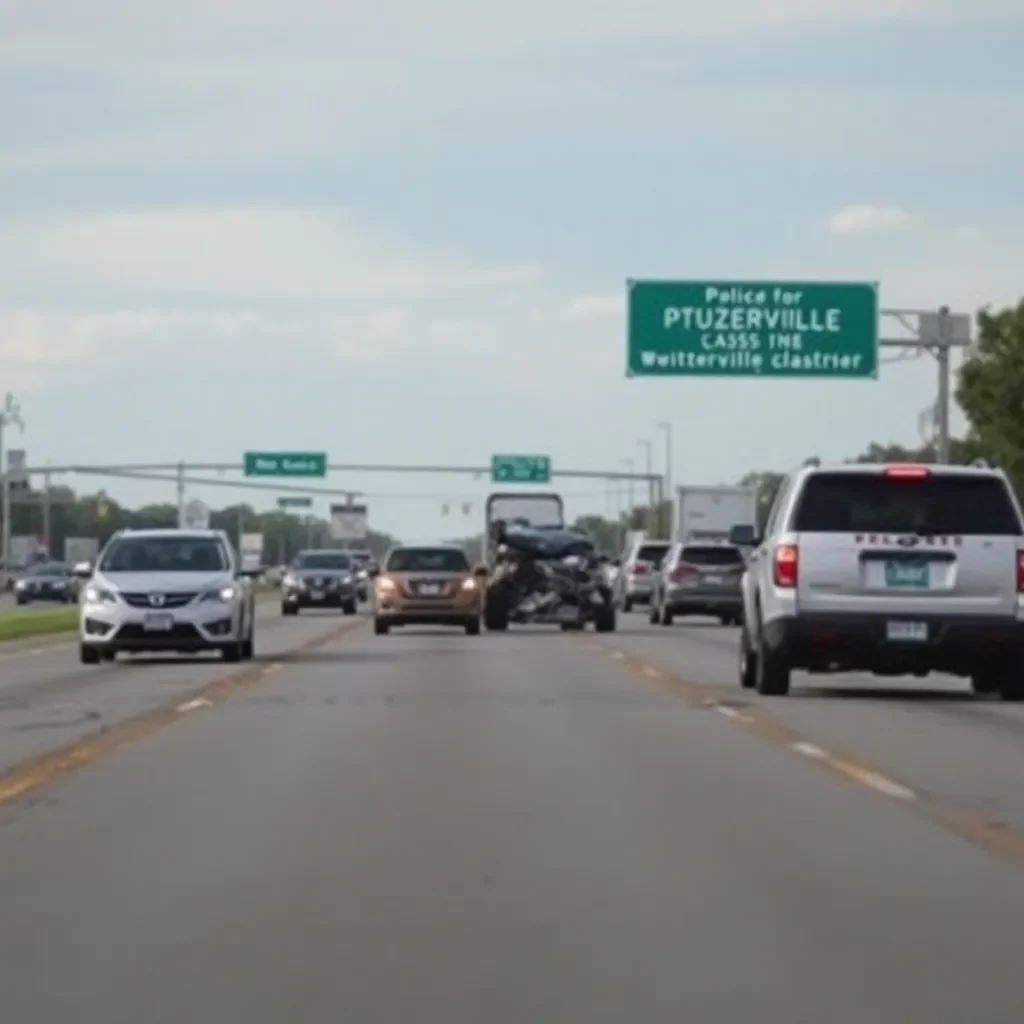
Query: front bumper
(327, 597)
(959, 645)
(206, 626)
(453, 611)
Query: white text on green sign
(752, 329)
(285, 464)
(521, 469)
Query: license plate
(715, 581)
(907, 575)
(914, 632)
(316, 595)
(430, 589)
(158, 623)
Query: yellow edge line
(33, 775)
(993, 836)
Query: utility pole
(937, 333)
(181, 496)
(47, 531)
(10, 416)
(652, 522)
(670, 497)
(630, 494)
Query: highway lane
(932, 735)
(48, 699)
(446, 829)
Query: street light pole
(630, 494)
(670, 498)
(652, 524)
(10, 416)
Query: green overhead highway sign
(285, 464)
(752, 329)
(295, 502)
(520, 469)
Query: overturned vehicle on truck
(541, 570)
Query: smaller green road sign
(520, 469)
(752, 329)
(295, 502)
(285, 464)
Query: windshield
(50, 569)
(653, 553)
(165, 554)
(427, 560)
(871, 503)
(334, 560)
(712, 555)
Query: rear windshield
(939, 504)
(652, 552)
(717, 555)
(427, 560)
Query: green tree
(990, 390)
(766, 484)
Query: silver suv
(887, 569)
(166, 590)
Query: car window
(937, 503)
(165, 554)
(720, 554)
(327, 560)
(652, 553)
(427, 560)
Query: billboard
(349, 522)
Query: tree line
(99, 515)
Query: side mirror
(482, 571)
(744, 535)
(82, 571)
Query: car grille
(180, 631)
(415, 589)
(169, 600)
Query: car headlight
(361, 575)
(98, 595)
(469, 584)
(385, 584)
(345, 580)
(294, 582)
(21, 584)
(223, 594)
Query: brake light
(682, 571)
(1020, 572)
(785, 566)
(637, 568)
(906, 472)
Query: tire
(605, 619)
(108, 656)
(772, 670)
(22, 600)
(495, 611)
(667, 617)
(473, 626)
(985, 683)
(248, 648)
(747, 663)
(627, 604)
(289, 609)
(88, 655)
(380, 627)
(232, 653)
(350, 608)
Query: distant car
(428, 586)
(46, 581)
(362, 562)
(635, 581)
(699, 579)
(166, 590)
(319, 579)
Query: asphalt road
(533, 827)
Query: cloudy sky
(399, 232)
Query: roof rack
(812, 461)
(981, 464)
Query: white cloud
(865, 219)
(594, 307)
(233, 253)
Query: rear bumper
(694, 602)
(959, 645)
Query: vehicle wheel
(248, 647)
(772, 670)
(232, 652)
(108, 655)
(88, 655)
(748, 663)
(985, 683)
(350, 608)
(604, 619)
(627, 604)
(1011, 684)
(22, 600)
(654, 616)
(473, 626)
(726, 620)
(667, 616)
(289, 609)
(495, 611)
(380, 627)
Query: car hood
(163, 582)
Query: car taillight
(786, 565)
(637, 568)
(1020, 572)
(682, 571)
(906, 472)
